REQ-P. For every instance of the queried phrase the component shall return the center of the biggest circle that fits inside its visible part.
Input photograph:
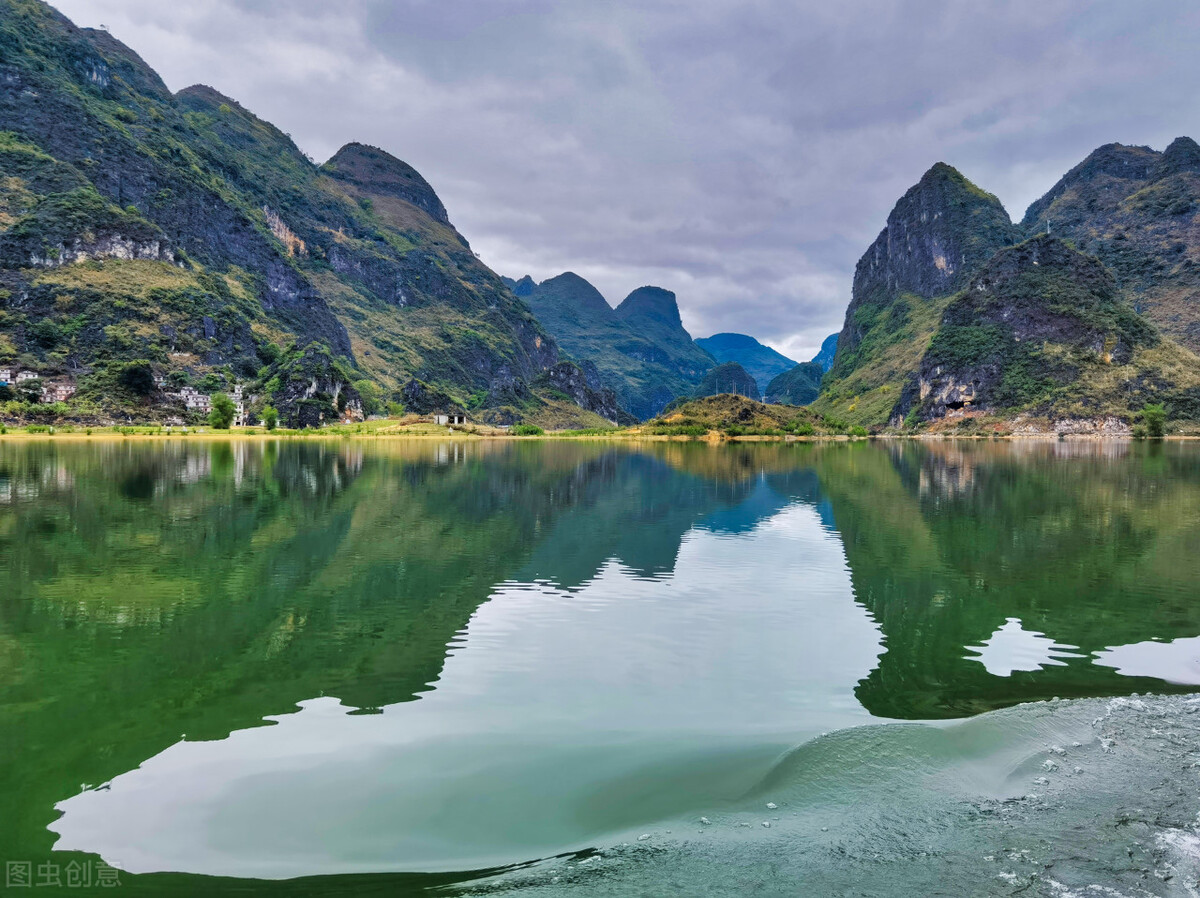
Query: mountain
(797, 386)
(824, 358)
(654, 313)
(181, 234)
(1136, 210)
(640, 350)
(761, 362)
(727, 378)
(939, 233)
(1044, 328)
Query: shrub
(526, 430)
(858, 431)
(1154, 415)
(270, 417)
(221, 416)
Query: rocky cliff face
(936, 237)
(640, 350)
(214, 245)
(1041, 328)
(582, 384)
(1138, 211)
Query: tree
(30, 390)
(270, 416)
(1155, 417)
(369, 394)
(222, 412)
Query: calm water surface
(224, 661)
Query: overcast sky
(742, 153)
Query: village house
(6, 376)
(195, 400)
(23, 376)
(59, 391)
(450, 419)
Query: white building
(195, 400)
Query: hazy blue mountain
(824, 358)
(761, 362)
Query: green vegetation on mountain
(1136, 210)
(761, 362)
(936, 237)
(727, 378)
(951, 318)
(640, 350)
(1043, 328)
(184, 231)
(797, 386)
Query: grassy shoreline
(430, 432)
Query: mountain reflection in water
(602, 635)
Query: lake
(373, 667)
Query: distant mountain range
(640, 349)
(762, 362)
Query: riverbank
(423, 430)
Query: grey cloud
(740, 153)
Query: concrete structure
(195, 400)
(451, 419)
(59, 391)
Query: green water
(336, 668)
